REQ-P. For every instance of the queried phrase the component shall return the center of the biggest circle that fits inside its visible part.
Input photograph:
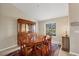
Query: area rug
(54, 51)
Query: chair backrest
(47, 42)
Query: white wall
(8, 25)
(8, 32)
(74, 30)
(61, 26)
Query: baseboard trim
(8, 48)
(74, 53)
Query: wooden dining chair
(25, 47)
(47, 43)
(38, 48)
(41, 50)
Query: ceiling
(43, 11)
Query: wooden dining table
(36, 43)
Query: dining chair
(25, 47)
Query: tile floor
(64, 53)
